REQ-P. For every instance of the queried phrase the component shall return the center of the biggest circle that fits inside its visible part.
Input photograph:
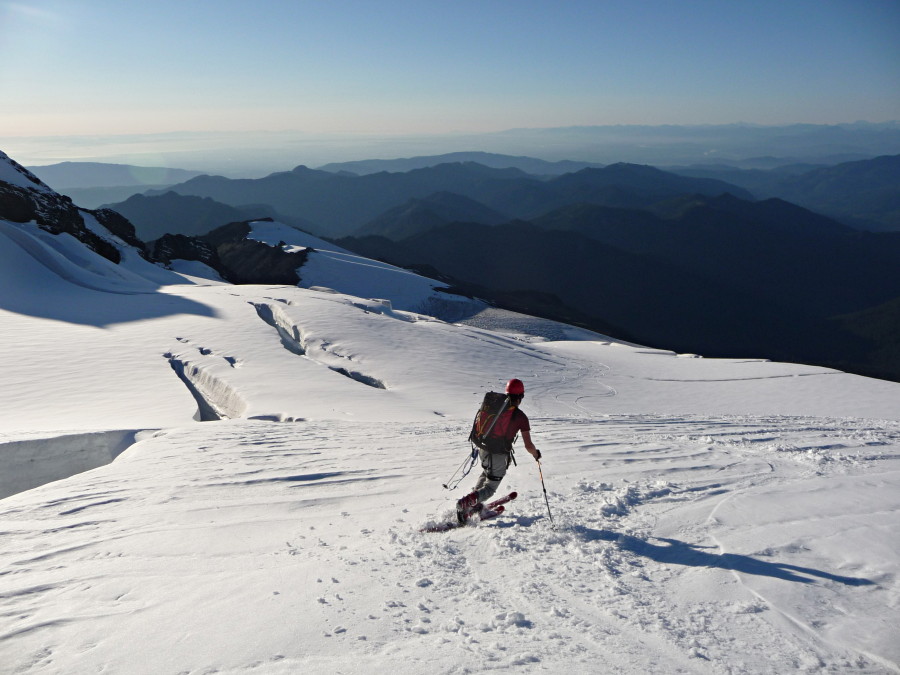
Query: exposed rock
(118, 225)
(236, 258)
(245, 261)
(52, 212)
(171, 247)
(252, 262)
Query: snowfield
(201, 477)
(333, 267)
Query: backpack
(492, 407)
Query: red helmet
(515, 387)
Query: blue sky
(393, 66)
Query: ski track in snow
(610, 597)
(243, 511)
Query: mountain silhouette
(171, 213)
(66, 175)
(421, 215)
(530, 165)
(339, 204)
(864, 194)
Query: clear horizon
(164, 83)
(256, 154)
(399, 67)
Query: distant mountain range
(91, 184)
(154, 217)
(420, 215)
(531, 165)
(171, 213)
(864, 194)
(742, 145)
(340, 204)
(97, 174)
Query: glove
(536, 454)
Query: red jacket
(510, 423)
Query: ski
(499, 502)
(488, 511)
(492, 513)
(485, 509)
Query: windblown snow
(200, 477)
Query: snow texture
(708, 515)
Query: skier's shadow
(674, 552)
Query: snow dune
(711, 516)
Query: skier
(496, 458)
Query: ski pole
(546, 501)
(469, 459)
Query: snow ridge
(65, 257)
(14, 173)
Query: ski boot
(466, 506)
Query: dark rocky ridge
(57, 214)
(236, 258)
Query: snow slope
(333, 267)
(708, 516)
(15, 174)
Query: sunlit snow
(709, 515)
